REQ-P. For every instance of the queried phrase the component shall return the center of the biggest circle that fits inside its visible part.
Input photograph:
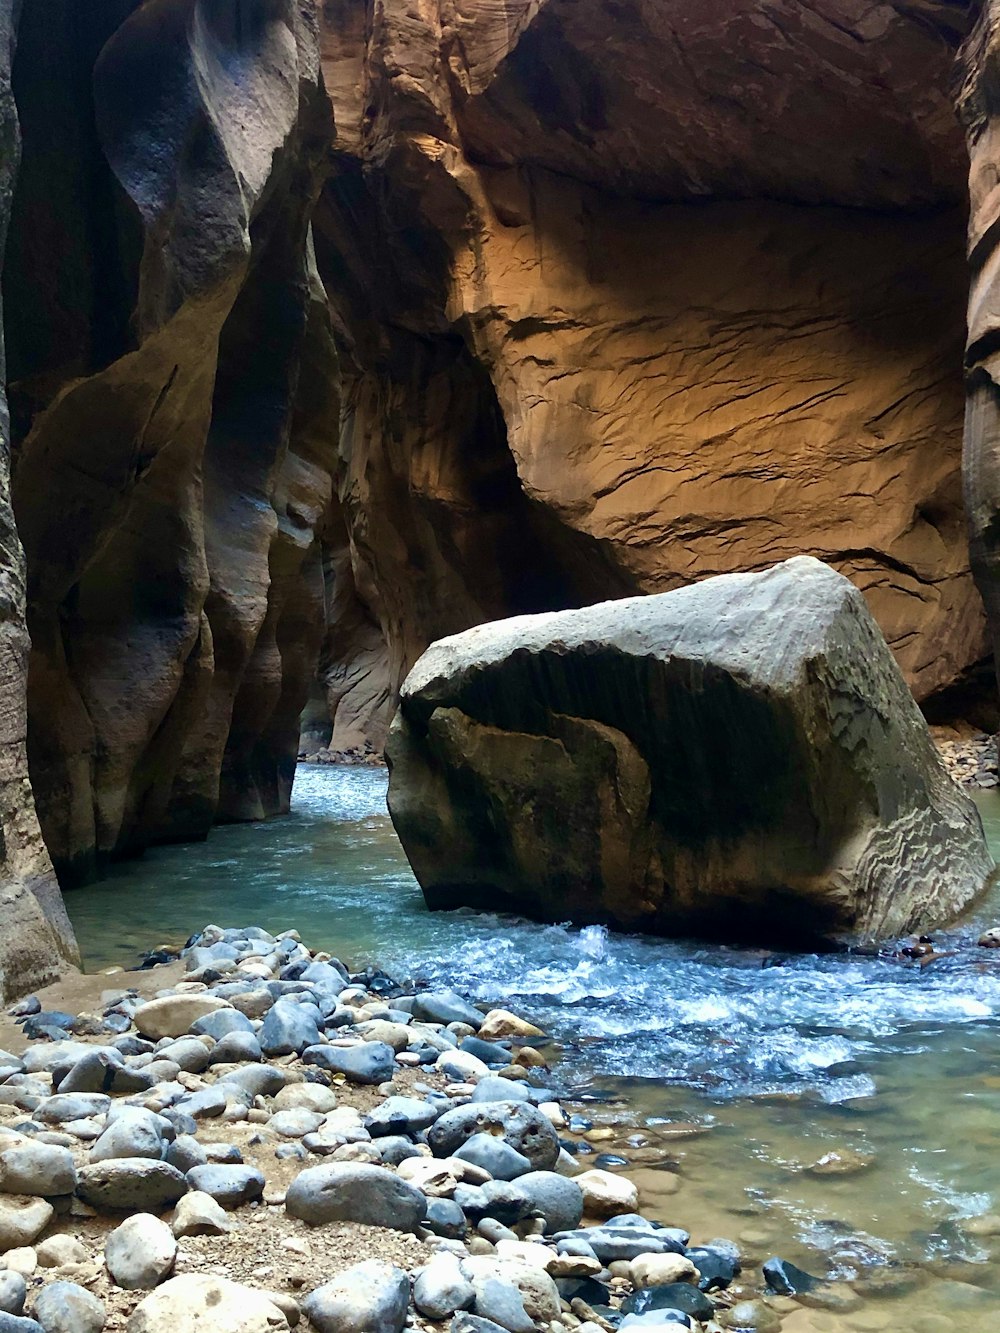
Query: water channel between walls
(841, 1111)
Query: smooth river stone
(131, 1183)
(355, 1192)
(172, 1015)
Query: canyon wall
(36, 940)
(335, 327)
(171, 379)
(630, 294)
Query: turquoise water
(777, 1059)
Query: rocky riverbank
(970, 757)
(252, 1138)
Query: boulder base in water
(740, 758)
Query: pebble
(58, 1250)
(13, 1289)
(37, 1168)
(371, 1297)
(368, 1062)
(201, 1303)
(140, 1252)
(441, 1289)
(131, 1183)
(229, 1186)
(198, 1214)
(348, 1192)
(65, 1307)
(607, 1195)
(22, 1220)
(173, 1015)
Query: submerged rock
(743, 750)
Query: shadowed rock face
(688, 279)
(171, 375)
(36, 940)
(739, 758)
(980, 110)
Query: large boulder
(740, 757)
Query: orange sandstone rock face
(628, 294)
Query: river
(749, 1067)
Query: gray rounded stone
(355, 1192)
(139, 1133)
(288, 1028)
(371, 1297)
(37, 1168)
(558, 1199)
(65, 1307)
(13, 1289)
(368, 1062)
(131, 1183)
(441, 1289)
(22, 1220)
(140, 1253)
(401, 1115)
(493, 1155)
(228, 1185)
(520, 1125)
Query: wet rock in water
(717, 1268)
(785, 1279)
(752, 1316)
(229, 1186)
(675, 1296)
(22, 1220)
(841, 1162)
(371, 1297)
(37, 1168)
(780, 680)
(349, 1192)
(131, 1183)
(522, 1126)
(990, 939)
(140, 1252)
(194, 1303)
(65, 1307)
(446, 1007)
(607, 1195)
(13, 1290)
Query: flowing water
(748, 1068)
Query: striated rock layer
(738, 758)
(36, 940)
(629, 294)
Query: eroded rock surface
(740, 758)
(36, 940)
(170, 361)
(627, 295)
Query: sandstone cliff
(36, 939)
(631, 294)
(336, 328)
(171, 379)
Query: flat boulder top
(758, 624)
